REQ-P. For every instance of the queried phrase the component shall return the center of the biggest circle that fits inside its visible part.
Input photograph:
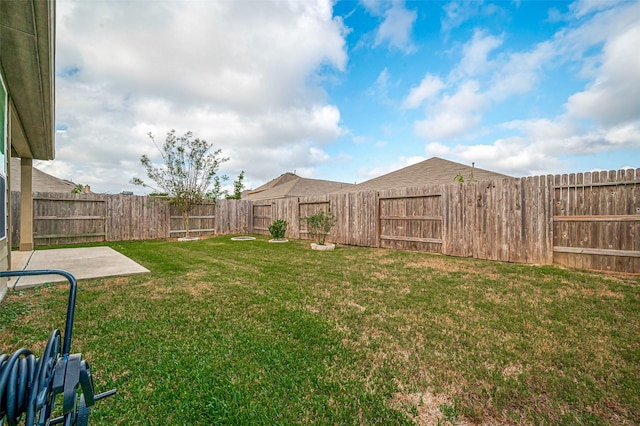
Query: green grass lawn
(247, 332)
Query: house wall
(27, 77)
(4, 191)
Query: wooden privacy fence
(261, 218)
(411, 221)
(202, 221)
(62, 218)
(596, 220)
(486, 220)
(589, 220)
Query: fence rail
(589, 220)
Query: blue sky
(349, 90)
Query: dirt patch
(380, 256)
(358, 307)
(155, 292)
(112, 284)
(604, 293)
(426, 408)
(313, 309)
(379, 275)
(512, 371)
(450, 264)
(197, 289)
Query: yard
(246, 332)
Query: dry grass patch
(427, 409)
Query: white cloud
(520, 72)
(383, 78)
(614, 96)
(344, 157)
(227, 53)
(459, 109)
(318, 155)
(436, 149)
(243, 75)
(474, 58)
(380, 87)
(543, 128)
(584, 35)
(601, 41)
(510, 156)
(542, 145)
(249, 76)
(457, 12)
(453, 114)
(628, 135)
(396, 27)
(581, 8)
(375, 7)
(430, 86)
(358, 139)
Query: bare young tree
(187, 173)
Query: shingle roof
(428, 172)
(41, 181)
(291, 185)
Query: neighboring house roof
(428, 172)
(41, 181)
(290, 185)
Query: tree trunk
(185, 219)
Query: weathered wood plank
(394, 217)
(598, 252)
(83, 235)
(69, 218)
(413, 239)
(602, 218)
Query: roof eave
(27, 58)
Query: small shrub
(278, 228)
(319, 225)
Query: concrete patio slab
(83, 263)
